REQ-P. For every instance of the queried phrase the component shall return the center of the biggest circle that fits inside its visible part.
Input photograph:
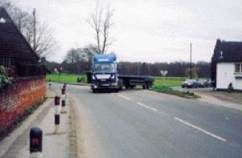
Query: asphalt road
(145, 124)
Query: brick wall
(20, 96)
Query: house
(226, 65)
(19, 64)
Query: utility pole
(20, 24)
(34, 29)
(190, 60)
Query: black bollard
(57, 123)
(63, 103)
(64, 86)
(57, 100)
(63, 91)
(57, 119)
(35, 140)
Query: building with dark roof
(227, 65)
(15, 51)
(20, 65)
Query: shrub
(4, 80)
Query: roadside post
(64, 86)
(57, 113)
(35, 142)
(63, 104)
(57, 123)
(63, 91)
(57, 103)
(49, 85)
(63, 99)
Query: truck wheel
(120, 88)
(127, 86)
(147, 85)
(132, 87)
(94, 90)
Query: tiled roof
(12, 42)
(227, 51)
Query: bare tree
(45, 43)
(38, 34)
(101, 21)
(75, 61)
(90, 50)
(73, 56)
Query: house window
(238, 68)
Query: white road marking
(147, 107)
(200, 129)
(140, 104)
(124, 97)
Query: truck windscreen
(104, 67)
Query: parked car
(202, 83)
(196, 83)
(205, 83)
(191, 83)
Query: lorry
(104, 75)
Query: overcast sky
(145, 30)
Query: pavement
(142, 123)
(60, 145)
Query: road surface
(145, 124)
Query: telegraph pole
(190, 60)
(34, 29)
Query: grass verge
(164, 85)
(66, 78)
(168, 81)
(169, 90)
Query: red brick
(18, 97)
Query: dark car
(191, 84)
(204, 83)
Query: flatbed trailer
(131, 81)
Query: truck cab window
(104, 67)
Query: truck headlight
(93, 77)
(114, 84)
(113, 77)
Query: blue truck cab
(104, 72)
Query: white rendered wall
(225, 75)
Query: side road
(60, 145)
